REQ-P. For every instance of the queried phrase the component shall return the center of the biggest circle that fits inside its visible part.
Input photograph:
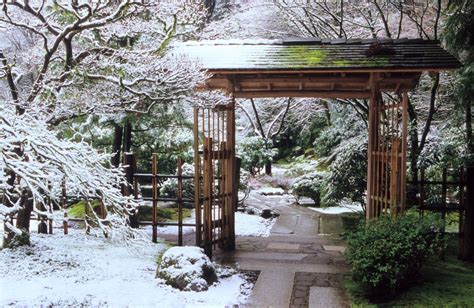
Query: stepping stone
(272, 289)
(325, 297)
(285, 224)
(283, 246)
(340, 249)
(269, 256)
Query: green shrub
(308, 185)
(385, 254)
(347, 177)
(254, 153)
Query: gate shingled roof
(310, 54)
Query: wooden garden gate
(215, 185)
(352, 69)
(387, 147)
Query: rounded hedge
(385, 254)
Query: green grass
(443, 283)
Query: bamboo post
(444, 196)
(154, 196)
(197, 173)
(422, 192)
(50, 221)
(404, 151)
(87, 204)
(63, 204)
(370, 147)
(468, 232)
(207, 198)
(232, 187)
(180, 201)
(461, 211)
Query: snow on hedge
(72, 270)
(187, 268)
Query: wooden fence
(445, 194)
(156, 180)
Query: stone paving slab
(293, 249)
(283, 246)
(270, 255)
(255, 265)
(340, 249)
(271, 289)
(285, 224)
(325, 297)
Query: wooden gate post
(154, 197)
(197, 177)
(372, 139)
(232, 184)
(468, 239)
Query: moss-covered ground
(164, 214)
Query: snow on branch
(41, 161)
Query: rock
(266, 213)
(271, 191)
(187, 268)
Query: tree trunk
(24, 214)
(210, 5)
(468, 242)
(127, 137)
(268, 168)
(117, 145)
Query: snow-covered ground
(74, 269)
(252, 225)
(340, 209)
(245, 225)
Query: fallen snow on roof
(74, 270)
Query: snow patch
(268, 191)
(252, 225)
(340, 209)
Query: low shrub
(308, 185)
(385, 254)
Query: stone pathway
(298, 267)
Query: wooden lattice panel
(215, 193)
(387, 156)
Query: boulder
(187, 269)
